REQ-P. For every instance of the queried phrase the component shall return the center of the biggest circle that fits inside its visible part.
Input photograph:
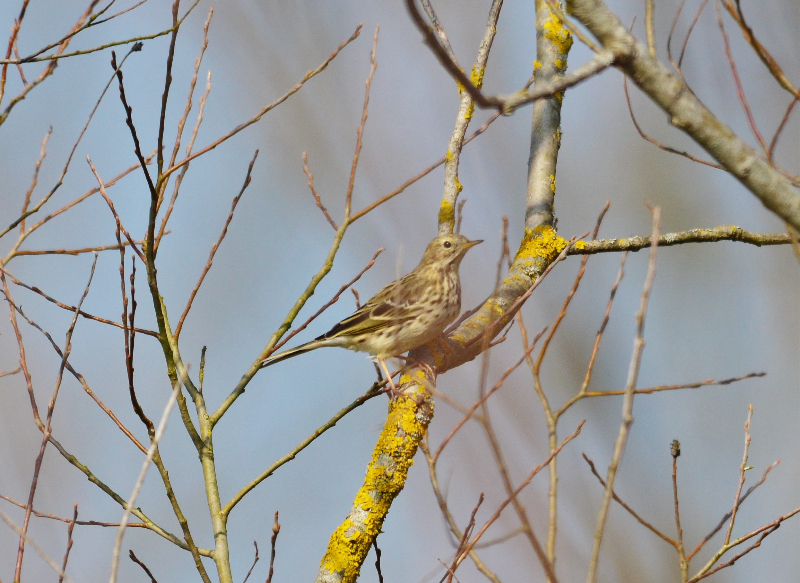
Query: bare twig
(332, 301)
(315, 194)
(136, 560)
(111, 207)
(215, 247)
(46, 428)
(70, 528)
(725, 518)
(721, 233)
(159, 432)
(268, 108)
(253, 566)
(627, 406)
(742, 469)
(276, 529)
(675, 450)
(630, 510)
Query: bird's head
(447, 250)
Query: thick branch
(688, 113)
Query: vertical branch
(70, 528)
(452, 186)
(360, 130)
(627, 405)
(553, 42)
(743, 468)
(675, 450)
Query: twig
(705, 383)
(742, 469)
(421, 175)
(53, 565)
(129, 121)
(764, 530)
(136, 560)
(72, 371)
(46, 428)
(268, 108)
(653, 140)
(630, 510)
(70, 528)
(738, 82)
(360, 130)
(332, 301)
(451, 571)
(64, 170)
(35, 179)
(627, 406)
(162, 425)
(469, 412)
(75, 252)
(722, 233)
(675, 450)
(276, 529)
(527, 481)
(689, 32)
(113, 211)
(69, 308)
(215, 247)
(371, 393)
(253, 566)
(377, 560)
(4, 373)
(69, 520)
(315, 194)
(725, 518)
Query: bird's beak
(472, 243)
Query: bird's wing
(394, 304)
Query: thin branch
(725, 518)
(53, 565)
(113, 211)
(136, 560)
(738, 82)
(162, 425)
(675, 450)
(315, 194)
(276, 529)
(742, 469)
(69, 308)
(371, 393)
(215, 247)
(70, 528)
(722, 233)
(630, 510)
(516, 492)
(268, 108)
(47, 427)
(653, 140)
(332, 301)
(253, 566)
(627, 406)
(72, 371)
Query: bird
(405, 314)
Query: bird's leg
(392, 389)
(413, 361)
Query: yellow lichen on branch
(392, 457)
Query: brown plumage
(404, 315)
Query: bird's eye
(447, 244)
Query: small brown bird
(404, 315)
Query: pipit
(404, 315)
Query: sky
(717, 310)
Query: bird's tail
(291, 352)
